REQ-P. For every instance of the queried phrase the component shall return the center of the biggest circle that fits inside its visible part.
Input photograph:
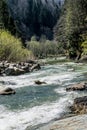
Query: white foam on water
(51, 74)
(71, 95)
(29, 79)
(57, 78)
(33, 116)
(60, 91)
(1, 88)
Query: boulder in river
(7, 91)
(13, 71)
(39, 82)
(35, 67)
(79, 86)
(79, 105)
(25, 68)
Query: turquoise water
(34, 105)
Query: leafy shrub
(11, 48)
(34, 46)
(84, 46)
(43, 48)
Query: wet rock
(26, 68)
(7, 91)
(8, 69)
(35, 67)
(79, 105)
(39, 82)
(13, 71)
(80, 86)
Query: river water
(34, 105)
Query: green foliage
(6, 21)
(34, 46)
(71, 26)
(11, 48)
(43, 48)
(84, 46)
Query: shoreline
(72, 123)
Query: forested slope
(71, 29)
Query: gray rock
(39, 82)
(13, 71)
(35, 67)
(18, 68)
(25, 68)
(79, 105)
(7, 91)
(80, 86)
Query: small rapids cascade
(34, 105)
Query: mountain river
(35, 105)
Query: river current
(34, 105)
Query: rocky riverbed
(9, 69)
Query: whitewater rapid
(35, 105)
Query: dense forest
(42, 28)
(71, 28)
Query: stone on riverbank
(80, 86)
(13, 71)
(18, 68)
(35, 67)
(79, 105)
